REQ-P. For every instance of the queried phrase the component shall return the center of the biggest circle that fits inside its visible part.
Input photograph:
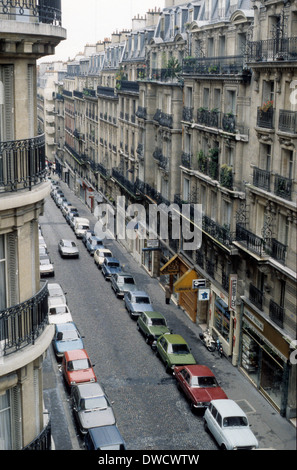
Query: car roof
(140, 292)
(199, 370)
(76, 354)
(66, 326)
(88, 390)
(106, 435)
(55, 301)
(174, 338)
(153, 314)
(227, 407)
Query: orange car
(77, 368)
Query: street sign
(203, 294)
(198, 283)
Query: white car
(46, 267)
(100, 255)
(57, 312)
(55, 290)
(229, 425)
(68, 249)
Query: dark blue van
(104, 438)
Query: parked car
(104, 438)
(59, 200)
(68, 249)
(81, 225)
(46, 267)
(93, 243)
(43, 251)
(229, 425)
(88, 233)
(55, 290)
(58, 313)
(91, 407)
(77, 367)
(174, 350)
(66, 207)
(67, 338)
(110, 266)
(199, 385)
(122, 283)
(137, 302)
(152, 325)
(100, 254)
(70, 218)
(41, 241)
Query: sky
(89, 21)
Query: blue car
(104, 438)
(110, 266)
(67, 338)
(93, 244)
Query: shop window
(222, 318)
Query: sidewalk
(272, 430)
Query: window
(10, 420)
(231, 102)
(186, 189)
(287, 163)
(206, 97)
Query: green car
(174, 351)
(152, 325)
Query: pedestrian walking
(167, 293)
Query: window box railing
(217, 231)
(22, 324)
(222, 65)
(48, 12)
(265, 118)
(22, 163)
(278, 250)
(287, 121)
(261, 178)
(256, 296)
(276, 313)
(283, 187)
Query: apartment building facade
(28, 32)
(196, 106)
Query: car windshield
(83, 227)
(235, 421)
(57, 310)
(158, 322)
(204, 382)
(142, 300)
(69, 244)
(180, 349)
(78, 364)
(113, 265)
(45, 261)
(93, 403)
(96, 242)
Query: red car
(77, 368)
(198, 384)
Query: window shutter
(31, 100)
(36, 399)
(16, 418)
(12, 266)
(8, 79)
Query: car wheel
(168, 368)
(223, 447)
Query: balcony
(22, 324)
(270, 50)
(48, 11)
(165, 120)
(250, 240)
(287, 121)
(223, 65)
(218, 232)
(265, 118)
(126, 184)
(22, 164)
(278, 250)
(42, 441)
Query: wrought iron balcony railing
(261, 178)
(43, 440)
(276, 313)
(222, 65)
(42, 11)
(275, 49)
(22, 163)
(283, 187)
(21, 324)
(250, 240)
(256, 296)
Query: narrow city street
(151, 412)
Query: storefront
(264, 355)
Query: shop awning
(171, 267)
(184, 283)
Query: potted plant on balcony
(266, 106)
(226, 176)
(202, 161)
(213, 163)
